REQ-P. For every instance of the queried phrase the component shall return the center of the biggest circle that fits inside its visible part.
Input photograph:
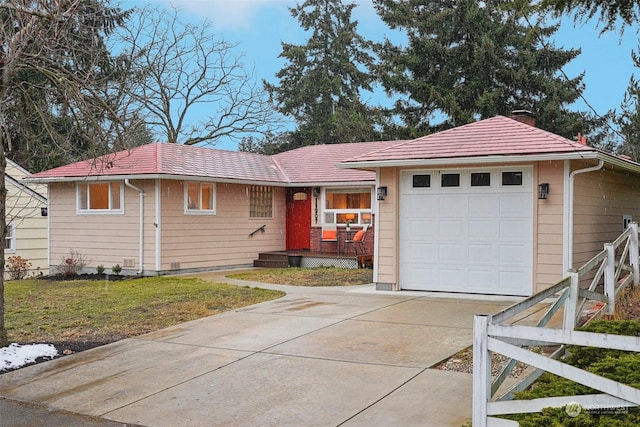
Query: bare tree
(182, 72)
(55, 70)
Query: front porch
(309, 259)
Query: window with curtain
(100, 197)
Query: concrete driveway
(317, 357)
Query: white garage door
(467, 230)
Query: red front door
(298, 219)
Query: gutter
(570, 207)
(102, 178)
(141, 225)
(497, 158)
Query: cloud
(229, 14)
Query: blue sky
(259, 26)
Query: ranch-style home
(166, 208)
(494, 207)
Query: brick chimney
(524, 116)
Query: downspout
(571, 197)
(141, 238)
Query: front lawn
(321, 276)
(102, 311)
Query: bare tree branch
(185, 72)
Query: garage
(467, 230)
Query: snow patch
(15, 355)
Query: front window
(100, 197)
(260, 201)
(344, 206)
(10, 239)
(200, 197)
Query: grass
(102, 311)
(321, 276)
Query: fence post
(571, 303)
(481, 370)
(634, 252)
(610, 277)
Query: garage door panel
(515, 205)
(452, 253)
(421, 228)
(452, 229)
(513, 229)
(479, 280)
(452, 207)
(511, 282)
(419, 278)
(420, 252)
(482, 229)
(481, 237)
(514, 255)
(419, 207)
(481, 254)
(449, 278)
(483, 206)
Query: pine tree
(320, 87)
(629, 119)
(467, 60)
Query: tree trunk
(4, 339)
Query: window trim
(512, 171)
(11, 238)
(109, 211)
(359, 213)
(214, 197)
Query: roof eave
(575, 155)
(102, 178)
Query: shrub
(72, 263)
(116, 269)
(621, 366)
(17, 267)
(100, 269)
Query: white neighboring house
(27, 222)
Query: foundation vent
(129, 263)
(175, 265)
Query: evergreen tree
(42, 127)
(610, 12)
(467, 60)
(629, 118)
(320, 87)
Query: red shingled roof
(495, 136)
(305, 165)
(174, 159)
(317, 163)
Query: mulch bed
(85, 276)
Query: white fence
(495, 333)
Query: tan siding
(203, 241)
(549, 226)
(104, 239)
(601, 199)
(388, 228)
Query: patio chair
(357, 241)
(329, 235)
